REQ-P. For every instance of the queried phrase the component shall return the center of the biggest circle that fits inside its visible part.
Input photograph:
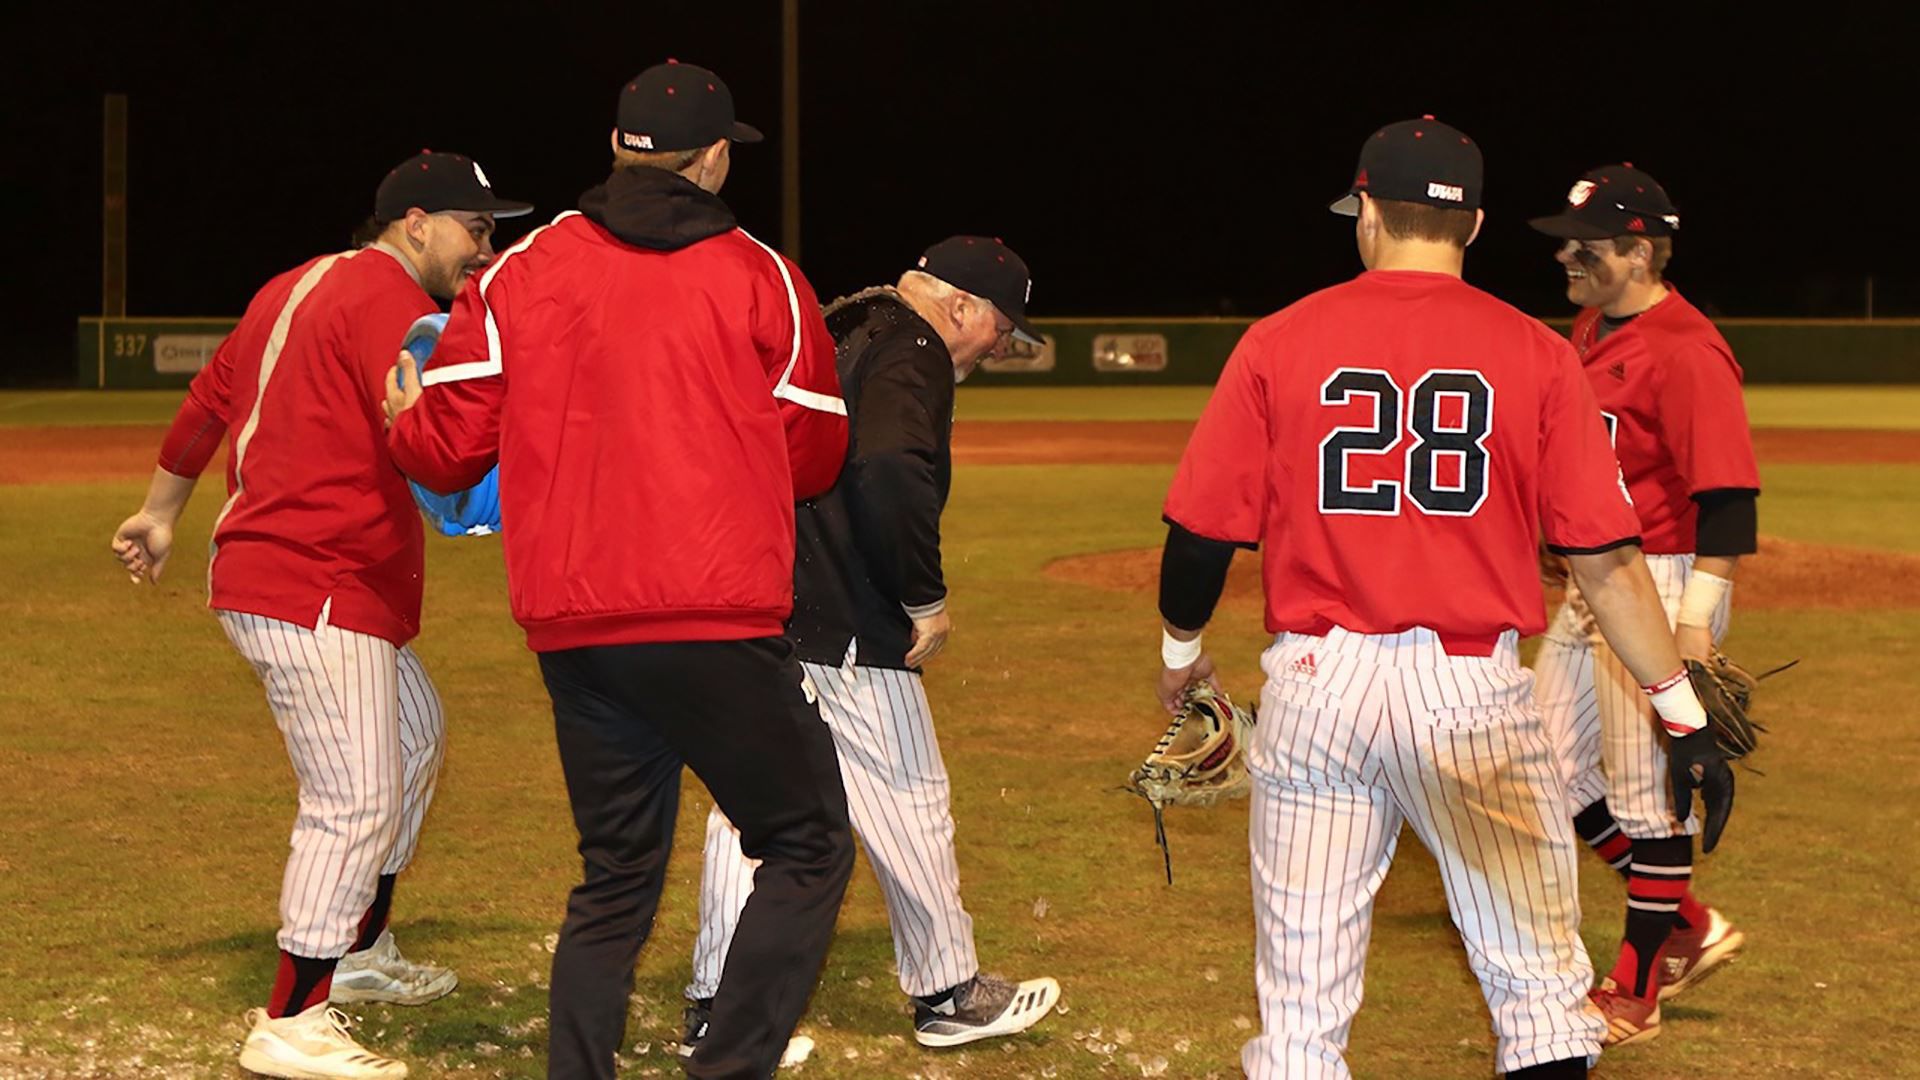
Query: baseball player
(1669, 390)
(315, 574)
(1391, 445)
(869, 611)
(658, 389)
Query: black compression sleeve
(1729, 522)
(1193, 572)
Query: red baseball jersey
(1669, 389)
(317, 516)
(1395, 445)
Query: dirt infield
(84, 455)
(1785, 574)
(70, 455)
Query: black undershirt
(1193, 572)
(1729, 522)
(1609, 323)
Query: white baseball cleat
(379, 973)
(984, 1007)
(312, 1045)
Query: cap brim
(744, 133)
(1568, 227)
(1347, 205)
(1024, 330)
(500, 208)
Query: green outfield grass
(148, 797)
(1853, 407)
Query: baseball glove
(1201, 759)
(1698, 762)
(1726, 690)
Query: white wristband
(1702, 598)
(1177, 654)
(1677, 705)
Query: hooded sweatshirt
(658, 388)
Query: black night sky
(1146, 159)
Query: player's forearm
(167, 495)
(193, 437)
(449, 439)
(1193, 574)
(1620, 591)
(1720, 566)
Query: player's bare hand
(403, 386)
(142, 544)
(1174, 681)
(929, 637)
(1694, 642)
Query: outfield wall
(141, 353)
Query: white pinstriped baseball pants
(1357, 735)
(1603, 728)
(365, 733)
(899, 799)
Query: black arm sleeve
(1729, 522)
(1193, 572)
(892, 492)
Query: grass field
(1845, 407)
(147, 797)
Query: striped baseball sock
(1692, 912)
(374, 922)
(1596, 826)
(1656, 880)
(301, 983)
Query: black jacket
(869, 549)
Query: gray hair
(935, 290)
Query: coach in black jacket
(870, 608)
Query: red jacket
(317, 516)
(658, 388)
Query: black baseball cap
(676, 106)
(1418, 161)
(987, 268)
(1613, 200)
(435, 182)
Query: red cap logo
(1636, 225)
(1361, 180)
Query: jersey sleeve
(201, 421)
(1584, 507)
(1220, 489)
(800, 370)
(1703, 422)
(450, 438)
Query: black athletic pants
(627, 717)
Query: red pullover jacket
(658, 389)
(317, 519)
